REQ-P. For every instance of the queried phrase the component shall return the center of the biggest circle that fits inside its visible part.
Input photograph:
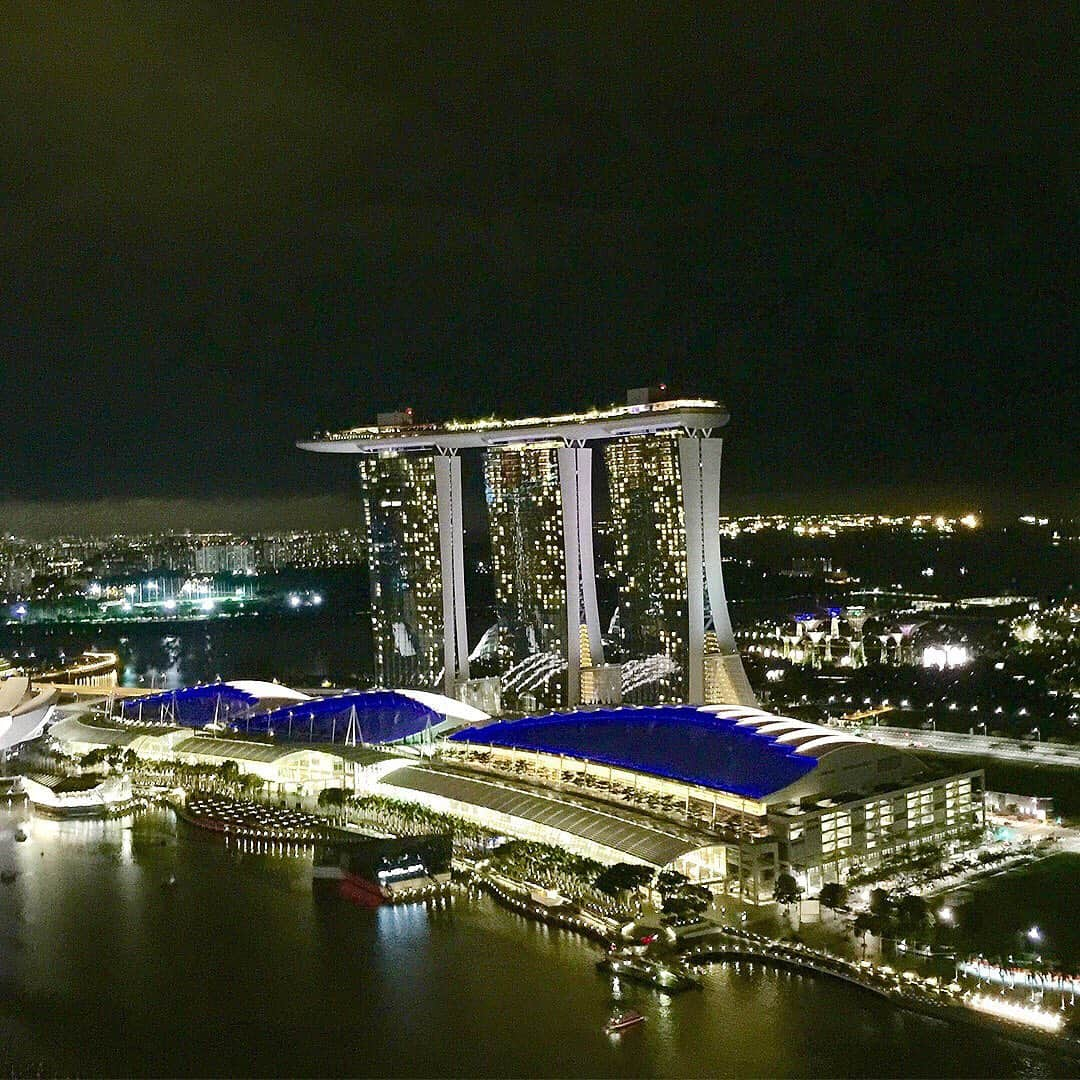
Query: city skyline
(511, 513)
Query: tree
(864, 924)
(913, 914)
(690, 902)
(669, 882)
(332, 796)
(251, 783)
(787, 890)
(881, 903)
(833, 895)
(622, 878)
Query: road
(993, 746)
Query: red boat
(622, 1021)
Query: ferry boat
(621, 1021)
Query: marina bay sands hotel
(670, 638)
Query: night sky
(227, 225)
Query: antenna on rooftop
(352, 729)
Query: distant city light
(945, 656)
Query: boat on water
(621, 1021)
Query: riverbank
(235, 969)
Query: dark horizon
(340, 507)
(227, 228)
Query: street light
(1034, 935)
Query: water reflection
(301, 651)
(235, 969)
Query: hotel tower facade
(672, 632)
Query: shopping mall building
(729, 795)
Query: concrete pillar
(575, 485)
(699, 470)
(452, 567)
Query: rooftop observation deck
(689, 415)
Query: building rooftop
(651, 845)
(694, 414)
(729, 748)
(73, 730)
(375, 716)
(65, 785)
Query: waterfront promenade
(1049, 1028)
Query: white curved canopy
(447, 706)
(815, 745)
(267, 690)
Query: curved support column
(575, 484)
(699, 469)
(452, 567)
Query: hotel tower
(672, 633)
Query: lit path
(902, 989)
(95, 694)
(729, 943)
(993, 746)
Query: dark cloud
(228, 225)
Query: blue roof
(674, 741)
(192, 706)
(381, 715)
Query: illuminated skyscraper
(673, 619)
(539, 499)
(664, 465)
(399, 497)
(649, 529)
(529, 568)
